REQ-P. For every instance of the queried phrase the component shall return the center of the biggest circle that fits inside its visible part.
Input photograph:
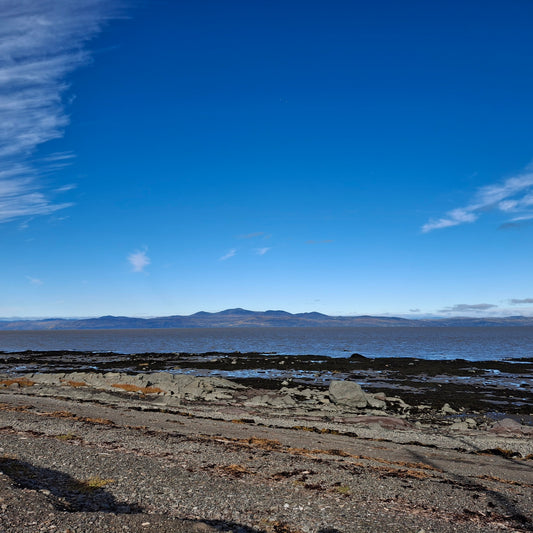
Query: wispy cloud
(467, 308)
(228, 255)
(517, 301)
(35, 281)
(139, 260)
(66, 188)
(262, 251)
(514, 197)
(40, 44)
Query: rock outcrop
(170, 389)
(157, 384)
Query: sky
(161, 158)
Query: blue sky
(162, 157)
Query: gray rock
(281, 401)
(258, 401)
(347, 394)
(399, 403)
(508, 426)
(374, 402)
(447, 410)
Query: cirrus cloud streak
(40, 44)
(514, 197)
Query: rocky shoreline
(501, 387)
(161, 450)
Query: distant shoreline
(242, 318)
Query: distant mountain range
(231, 318)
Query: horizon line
(428, 316)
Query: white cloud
(262, 251)
(231, 253)
(35, 281)
(139, 260)
(514, 195)
(522, 218)
(66, 188)
(40, 44)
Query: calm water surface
(474, 344)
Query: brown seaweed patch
(72, 416)
(21, 382)
(234, 470)
(321, 431)
(404, 473)
(243, 421)
(14, 408)
(75, 384)
(504, 481)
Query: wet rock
(397, 404)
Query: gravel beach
(83, 452)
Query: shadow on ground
(69, 494)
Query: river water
(474, 344)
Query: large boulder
(347, 394)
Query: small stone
(447, 410)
